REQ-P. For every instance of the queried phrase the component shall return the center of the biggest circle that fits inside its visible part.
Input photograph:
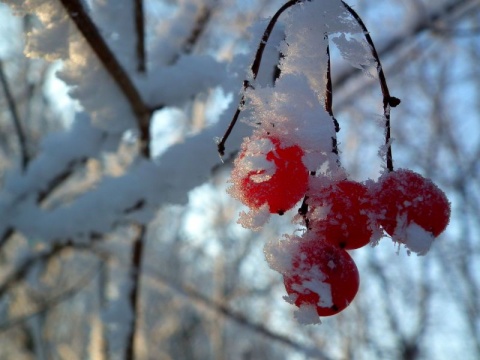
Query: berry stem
(329, 100)
(388, 101)
(255, 68)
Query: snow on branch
(113, 102)
(183, 167)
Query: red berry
(265, 172)
(347, 222)
(322, 275)
(407, 197)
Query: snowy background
(117, 237)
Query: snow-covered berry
(342, 213)
(267, 172)
(323, 276)
(413, 210)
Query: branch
(134, 296)
(53, 301)
(201, 300)
(22, 270)
(53, 184)
(140, 32)
(388, 101)
(12, 106)
(399, 40)
(201, 23)
(92, 35)
(255, 68)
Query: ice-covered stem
(255, 68)
(90, 32)
(388, 101)
(12, 106)
(329, 100)
(140, 32)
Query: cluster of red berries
(338, 216)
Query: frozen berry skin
(277, 177)
(349, 221)
(405, 197)
(322, 275)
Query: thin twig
(22, 270)
(134, 296)
(200, 24)
(12, 106)
(388, 101)
(223, 309)
(52, 185)
(140, 32)
(395, 42)
(53, 301)
(329, 100)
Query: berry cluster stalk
(388, 101)
(255, 68)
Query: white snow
(307, 315)
(255, 219)
(415, 238)
(254, 160)
(279, 253)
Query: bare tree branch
(53, 301)
(12, 106)
(201, 300)
(92, 35)
(24, 267)
(134, 296)
(140, 32)
(396, 42)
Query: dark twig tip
(221, 149)
(393, 101)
